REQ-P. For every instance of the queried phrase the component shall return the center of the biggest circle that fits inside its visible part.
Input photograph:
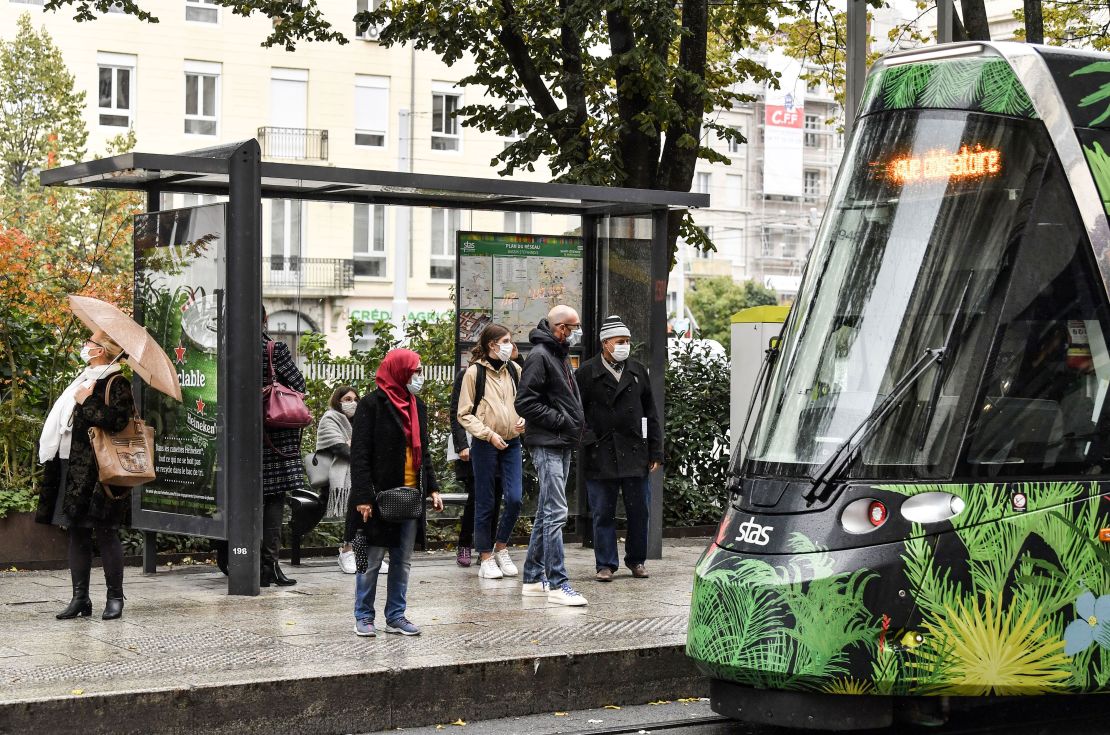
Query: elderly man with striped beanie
(621, 446)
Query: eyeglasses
(574, 325)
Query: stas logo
(753, 533)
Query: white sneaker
(347, 562)
(489, 570)
(385, 567)
(566, 595)
(505, 562)
(534, 589)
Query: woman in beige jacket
(487, 413)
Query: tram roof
(206, 171)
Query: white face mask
(504, 351)
(575, 337)
(621, 352)
(416, 382)
(86, 354)
(348, 408)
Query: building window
(445, 126)
(519, 223)
(371, 110)
(369, 244)
(445, 226)
(701, 182)
(812, 131)
(202, 95)
(202, 11)
(735, 146)
(115, 88)
(367, 32)
(812, 183)
(286, 234)
(734, 191)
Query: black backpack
(480, 382)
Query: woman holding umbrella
(72, 496)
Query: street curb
(375, 700)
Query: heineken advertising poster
(179, 296)
(514, 280)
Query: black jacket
(547, 397)
(613, 444)
(378, 449)
(84, 501)
(458, 433)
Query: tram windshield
(920, 243)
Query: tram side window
(1042, 409)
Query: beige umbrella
(149, 361)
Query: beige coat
(496, 414)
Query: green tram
(921, 516)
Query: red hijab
(392, 378)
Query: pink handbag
(282, 407)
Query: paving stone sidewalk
(181, 630)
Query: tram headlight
(932, 507)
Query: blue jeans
(486, 460)
(397, 583)
(603, 506)
(545, 547)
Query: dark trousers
(273, 506)
(466, 532)
(111, 556)
(603, 506)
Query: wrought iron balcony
(298, 143)
(315, 274)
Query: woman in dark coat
(389, 449)
(282, 471)
(72, 496)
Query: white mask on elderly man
(621, 352)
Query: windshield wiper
(845, 453)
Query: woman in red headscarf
(389, 449)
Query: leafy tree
(713, 301)
(53, 242)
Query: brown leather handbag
(124, 458)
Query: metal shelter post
(944, 21)
(857, 61)
(660, 271)
(150, 538)
(591, 305)
(241, 370)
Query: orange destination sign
(970, 162)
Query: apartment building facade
(200, 78)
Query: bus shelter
(198, 281)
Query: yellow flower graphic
(847, 685)
(989, 650)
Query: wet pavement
(181, 632)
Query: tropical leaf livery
(979, 85)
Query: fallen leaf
(661, 701)
(535, 641)
(690, 699)
(611, 706)
(439, 727)
(459, 723)
(560, 714)
(290, 622)
(77, 692)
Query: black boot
(280, 579)
(266, 574)
(80, 605)
(113, 608)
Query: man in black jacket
(547, 399)
(622, 445)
